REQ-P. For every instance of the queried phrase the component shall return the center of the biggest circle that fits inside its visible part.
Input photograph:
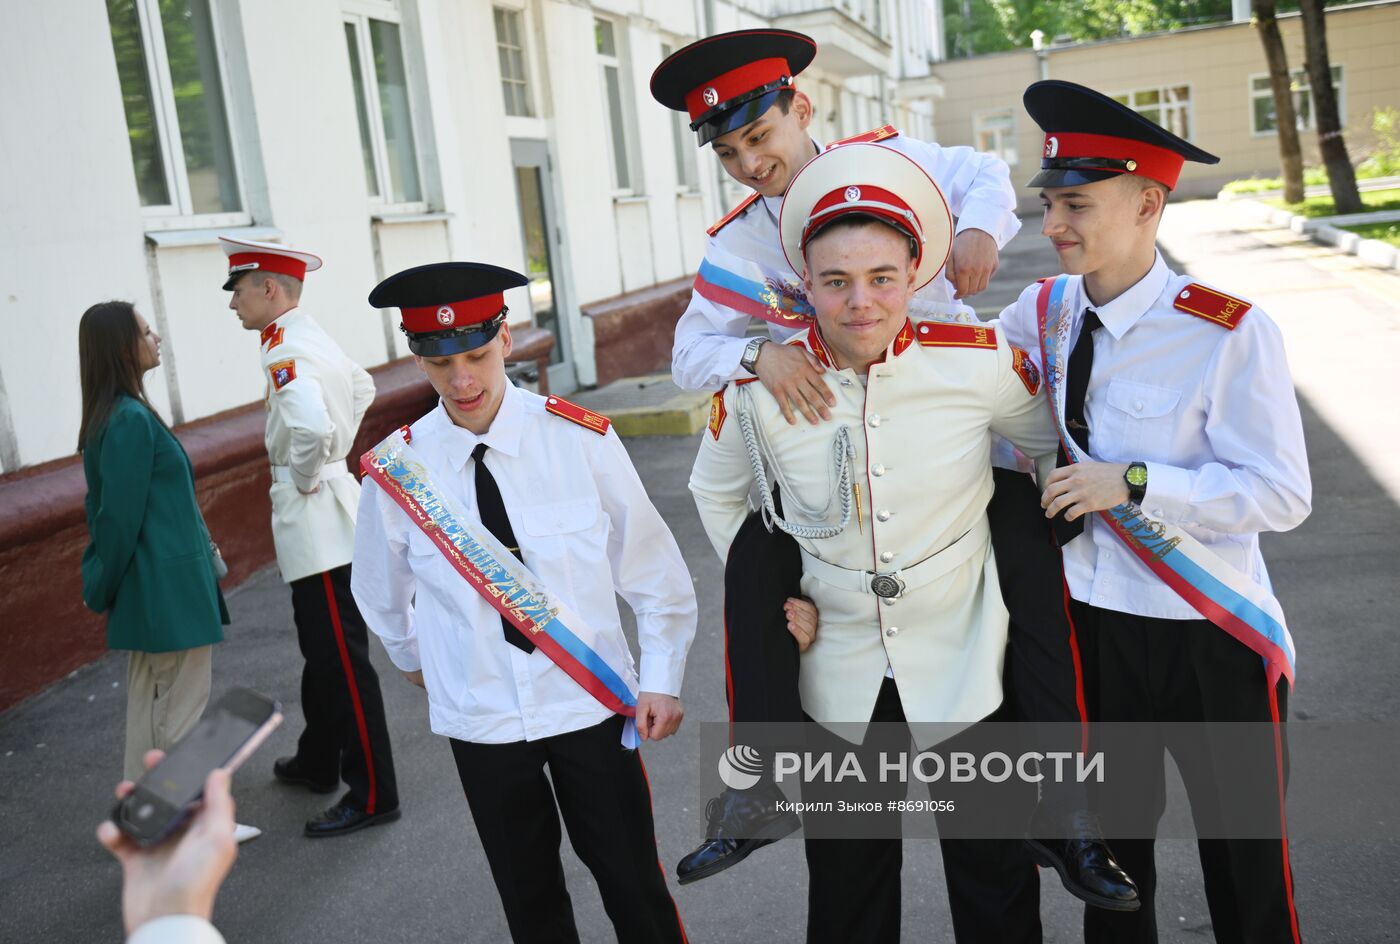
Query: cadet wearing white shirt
(553, 484)
(1177, 397)
(316, 398)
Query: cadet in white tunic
(897, 556)
(316, 398)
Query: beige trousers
(165, 694)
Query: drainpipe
(1041, 53)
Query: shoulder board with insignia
(1213, 306)
(577, 414)
(282, 373)
(732, 214)
(950, 334)
(878, 134)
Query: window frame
(683, 141)
(180, 214)
(1302, 73)
(358, 13)
(1006, 136)
(1161, 90)
(524, 81)
(618, 61)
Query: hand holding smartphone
(231, 729)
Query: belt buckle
(887, 586)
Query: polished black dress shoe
(740, 821)
(343, 818)
(1085, 863)
(288, 770)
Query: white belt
(283, 473)
(890, 584)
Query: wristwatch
(1136, 477)
(750, 359)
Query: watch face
(1137, 475)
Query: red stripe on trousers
(1079, 701)
(1282, 816)
(652, 806)
(354, 689)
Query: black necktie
(1081, 365)
(493, 514)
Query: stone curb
(1326, 231)
(649, 406)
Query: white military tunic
(1211, 412)
(710, 335)
(586, 529)
(920, 429)
(316, 397)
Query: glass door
(539, 235)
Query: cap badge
(446, 316)
(710, 96)
(852, 194)
(1052, 146)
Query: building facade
(379, 134)
(1208, 84)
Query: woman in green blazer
(149, 564)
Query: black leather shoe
(343, 818)
(740, 821)
(1085, 863)
(288, 770)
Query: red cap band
(454, 315)
(267, 262)
(736, 82)
(866, 200)
(1153, 162)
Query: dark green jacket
(148, 565)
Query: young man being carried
(494, 536)
(1181, 429)
(916, 405)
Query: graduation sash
(1214, 588)
(600, 664)
(745, 286)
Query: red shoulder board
(729, 217)
(282, 373)
(407, 434)
(949, 334)
(717, 413)
(577, 414)
(1025, 369)
(879, 134)
(1207, 303)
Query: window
(995, 133)
(610, 62)
(382, 100)
(172, 89)
(684, 142)
(1261, 101)
(510, 48)
(1169, 106)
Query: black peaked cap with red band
(1090, 137)
(448, 307)
(726, 81)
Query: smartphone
(231, 729)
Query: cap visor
(448, 343)
(737, 117)
(1070, 178)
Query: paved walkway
(424, 879)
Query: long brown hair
(109, 364)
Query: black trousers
(1044, 677)
(1158, 670)
(346, 736)
(854, 889)
(602, 792)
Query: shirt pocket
(565, 517)
(1141, 418)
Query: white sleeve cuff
(1168, 492)
(170, 929)
(661, 674)
(1000, 225)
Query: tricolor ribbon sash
(599, 664)
(744, 286)
(1216, 590)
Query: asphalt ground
(425, 879)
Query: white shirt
(586, 528)
(316, 397)
(710, 336)
(1210, 411)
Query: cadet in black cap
(1182, 442)
(513, 690)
